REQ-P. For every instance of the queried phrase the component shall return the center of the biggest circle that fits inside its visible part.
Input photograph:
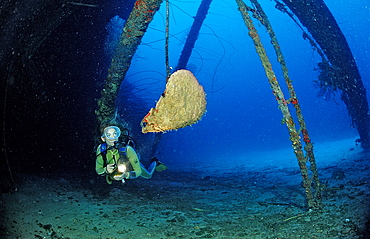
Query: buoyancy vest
(122, 155)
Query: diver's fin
(160, 167)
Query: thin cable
(168, 70)
(4, 134)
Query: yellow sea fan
(182, 104)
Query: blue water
(242, 113)
(256, 194)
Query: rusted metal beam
(135, 27)
(317, 18)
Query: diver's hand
(119, 177)
(110, 168)
(125, 175)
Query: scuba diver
(116, 158)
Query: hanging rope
(4, 135)
(186, 51)
(168, 69)
(158, 136)
(313, 202)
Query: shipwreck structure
(26, 25)
(339, 70)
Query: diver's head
(111, 135)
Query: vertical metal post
(283, 104)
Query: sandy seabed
(258, 195)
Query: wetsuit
(136, 169)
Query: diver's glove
(118, 177)
(110, 168)
(123, 177)
(126, 175)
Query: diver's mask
(112, 133)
